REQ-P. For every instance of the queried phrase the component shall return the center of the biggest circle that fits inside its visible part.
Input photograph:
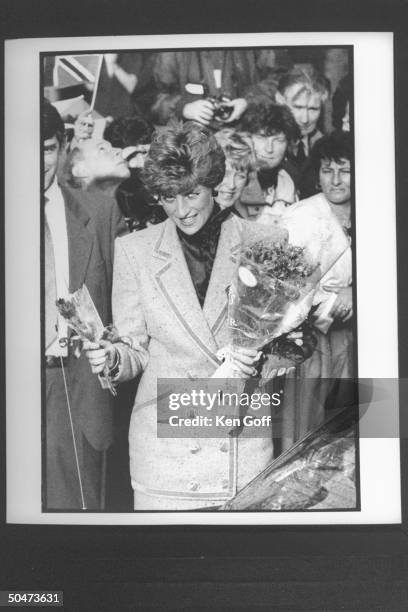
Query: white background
(375, 251)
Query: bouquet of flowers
(82, 316)
(273, 291)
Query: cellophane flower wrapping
(83, 318)
(272, 292)
(311, 224)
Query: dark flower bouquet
(272, 293)
(82, 316)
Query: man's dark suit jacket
(108, 223)
(74, 476)
(91, 404)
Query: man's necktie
(50, 289)
(301, 155)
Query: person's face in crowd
(231, 187)
(305, 106)
(52, 149)
(335, 180)
(84, 127)
(270, 150)
(101, 161)
(189, 211)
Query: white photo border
(375, 256)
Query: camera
(221, 111)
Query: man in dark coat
(304, 90)
(78, 412)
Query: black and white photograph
(205, 305)
(181, 146)
(201, 266)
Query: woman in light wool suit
(169, 304)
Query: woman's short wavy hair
(269, 119)
(182, 156)
(238, 148)
(335, 146)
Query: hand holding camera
(222, 107)
(201, 111)
(231, 110)
(219, 107)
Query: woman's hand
(100, 355)
(238, 362)
(245, 360)
(296, 336)
(343, 306)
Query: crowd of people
(195, 145)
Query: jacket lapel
(80, 240)
(174, 280)
(216, 299)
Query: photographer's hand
(201, 111)
(239, 106)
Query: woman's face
(189, 211)
(231, 187)
(335, 180)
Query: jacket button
(224, 446)
(195, 447)
(193, 486)
(225, 483)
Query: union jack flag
(72, 70)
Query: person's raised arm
(128, 80)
